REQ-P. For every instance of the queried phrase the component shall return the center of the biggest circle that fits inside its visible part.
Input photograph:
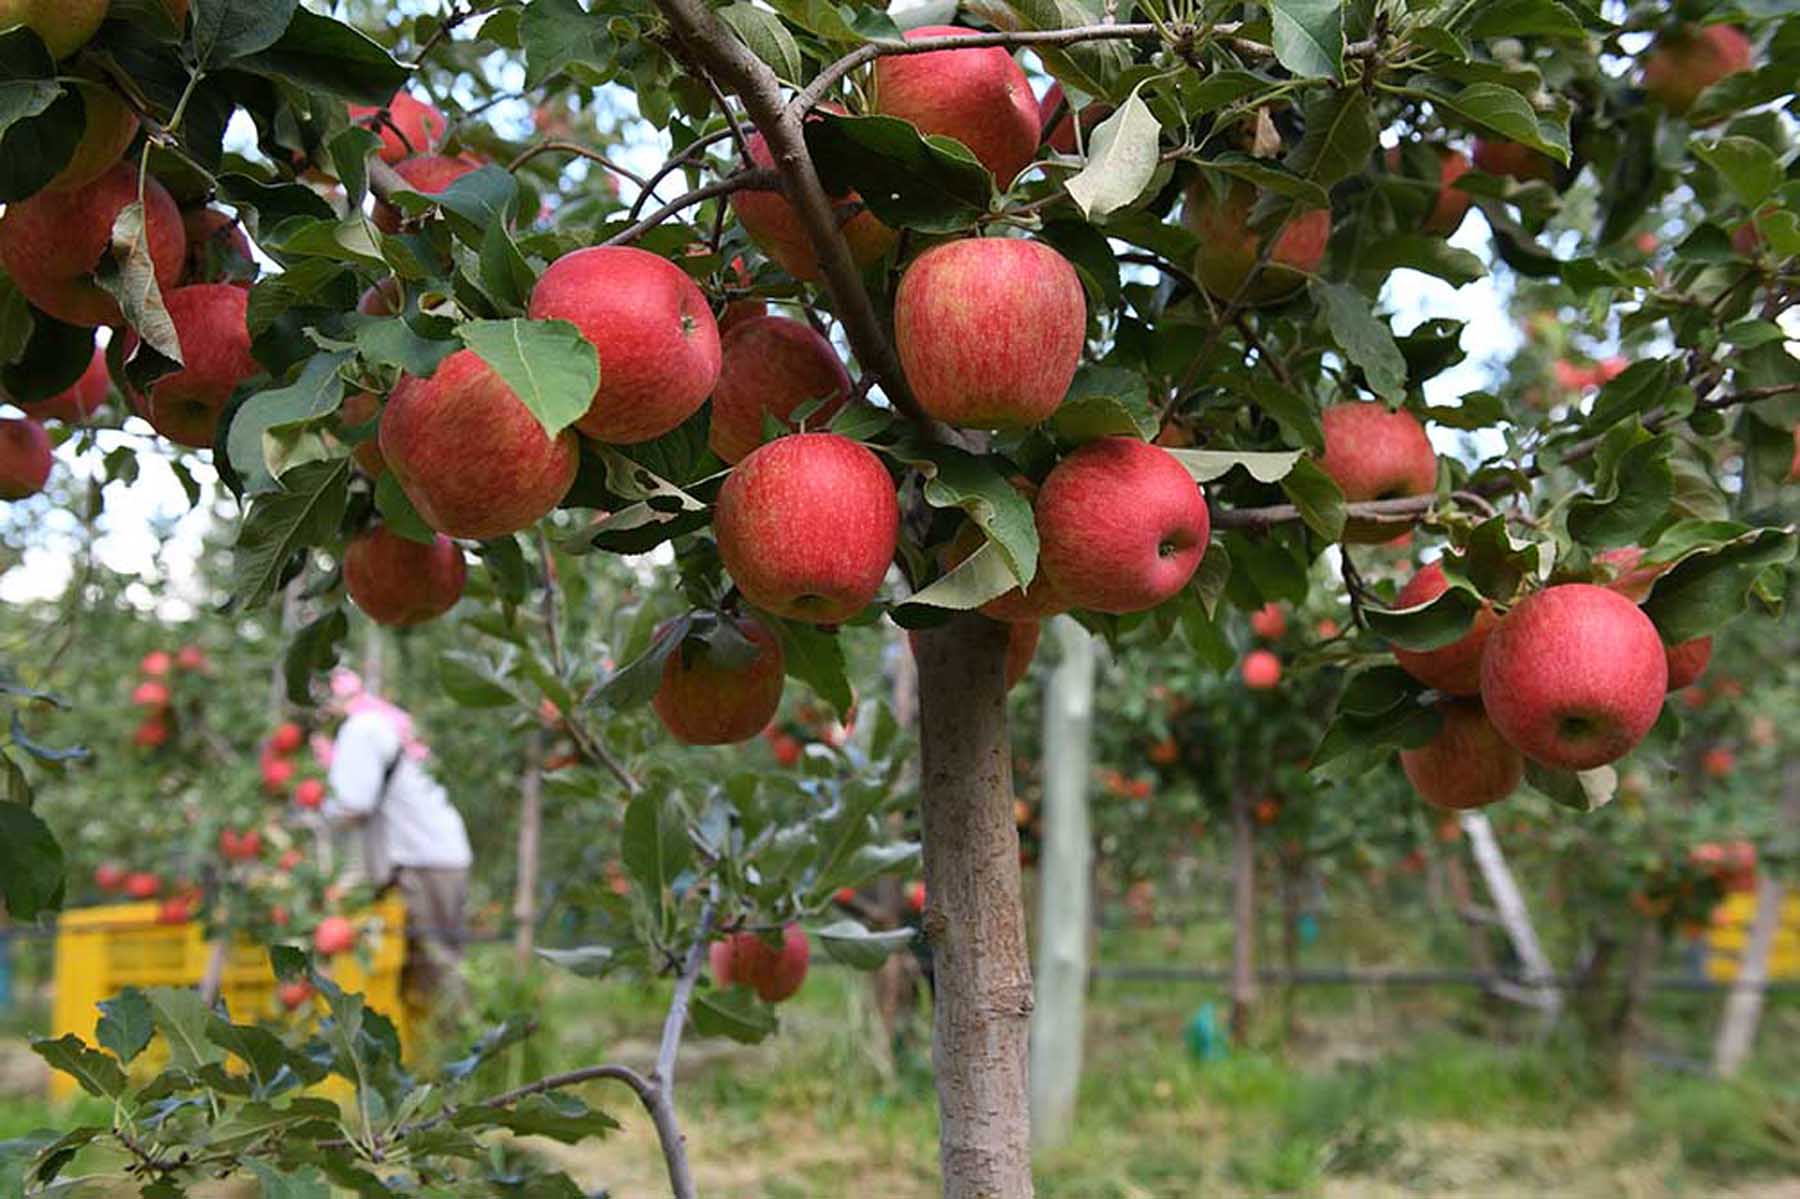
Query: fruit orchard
(671, 375)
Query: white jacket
(416, 823)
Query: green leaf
(556, 1114)
(313, 652)
(1747, 166)
(318, 54)
(1711, 580)
(850, 943)
(314, 395)
(1123, 154)
(1318, 497)
(1104, 401)
(1583, 790)
(55, 356)
(31, 862)
(732, 1012)
(1633, 486)
(35, 148)
(309, 282)
(548, 364)
(1504, 111)
(471, 681)
(505, 275)
(125, 1024)
(305, 1183)
(1271, 178)
(270, 1061)
(397, 511)
(816, 658)
(1429, 255)
(767, 37)
(1365, 339)
(223, 30)
(982, 576)
(97, 1073)
(558, 33)
(22, 98)
(654, 844)
(15, 788)
(390, 341)
(588, 961)
(1522, 18)
(1309, 37)
(955, 478)
(933, 185)
(182, 1018)
(636, 681)
(1434, 624)
(1265, 466)
(306, 512)
(1093, 68)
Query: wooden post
(531, 825)
(1064, 880)
(1243, 917)
(973, 916)
(1515, 917)
(1744, 1004)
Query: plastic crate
(1728, 932)
(101, 951)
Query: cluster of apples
(1573, 677)
(114, 879)
(279, 762)
(774, 970)
(154, 692)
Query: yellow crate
(101, 951)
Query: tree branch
(562, 147)
(664, 1077)
(691, 156)
(759, 178)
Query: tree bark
(973, 915)
(531, 828)
(1743, 1006)
(1064, 901)
(1243, 917)
(1515, 917)
(1293, 877)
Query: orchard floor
(1379, 1094)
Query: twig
(688, 157)
(562, 147)
(664, 1077)
(590, 746)
(761, 179)
(1262, 352)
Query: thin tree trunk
(531, 827)
(1243, 917)
(1628, 1017)
(1481, 953)
(1064, 901)
(1743, 1006)
(1515, 917)
(973, 916)
(1292, 876)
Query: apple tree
(1121, 346)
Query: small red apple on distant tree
(1269, 622)
(786, 749)
(1719, 762)
(109, 876)
(176, 909)
(309, 793)
(277, 773)
(706, 698)
(151, 733)
(294, 994)
(1218, 213)
(141, 884)
(978, 95)
(1688, 59)
(240, 847)
(1267, 810)
(1496, 156)
(1261, 670)
(770, 366)
(807, 526)
(25, 458)
(915, 895)
(217, 250)
(400, 582)
(287, 738)
(156, 664)
(1455, 668)
(151, 694)
(773, 972)
(1467, 764)
(191, 658)
(334, 935)
(427, 174)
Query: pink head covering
(349, 696)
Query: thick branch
(678, 1004)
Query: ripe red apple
(1261, 670)
(785, 749)
(1451, 203)
(215, 343)
(1574, 676)
(915, 895)
(705, 701)
(292, 857)
(1497, 156)
(64, 25)
(773, 973)
(286, 738)
(358, 409)
(771, 365)
(1062, 137)
(1467, 764)
(141, 884)
(81, 401)
(309, 794)
(1688, 59)
(191, 658)
(150, 694)
(277, 773)
(383, 298)
(807, 526)
(1455, 668)
(655, 334)
(407, 126)
(978, 96)
(1267, 810)
(109, 876)
(399, 582)
(1719, 762)
(1219, 215)
(470, 455)
(217, 250)
(773, 224)
(1269, 622)
(1687, 661)
(844, 895)
(1121, 526)
(989, 331)
(1021, 647)
(151, 733)
(239, 847)
(334, 935)
(294, 994)
(25, 458)
(1373, 453)
(51, 243)
(156, 663)
(1327, 629)
(427, 174)
(177, 909)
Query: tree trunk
(531, 828)
(1515, 917)
(973, 916)
(1293, 874)
(1628, 1017)
(1743, 1006)
(1243, 917)
(1065, 904)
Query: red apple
(81, 401)
(64, 25)
(1688, 59)
(309, 793)
(334, 935)
(844, 895)
(286, 738)
(1327, 629)
(989, 331)
(239, 847)
(427, 174)
(706, 701)
(52, 242)
(1687, 661)
(151, 733)
(1511, 160)
(1455, 668)
(773, 224)
(177, 909)
(191, 658)
(142, 885)
(1021, 647)
(470, 455)
(651, 325)
(1373, 453)
(1062, 137)
(292, 857)
(383, 298)
(1261, 670)
(1269, 622)
(109, 876)
(1121, 526)
(399, 582)
(215, 347)
(294, 994)
(217, 250)
(407, 126)
(25, 458)
(156, 663)
(1467, 764)
(769, 366)
(785, 748)
(915, 895)
(277, 773)
(358, 409)
(807, 526)
(1219, 215)
(1719, 762)
(1574, 676)
(978, 96)
(1451, 203)
(151, 694)
(773, 973)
